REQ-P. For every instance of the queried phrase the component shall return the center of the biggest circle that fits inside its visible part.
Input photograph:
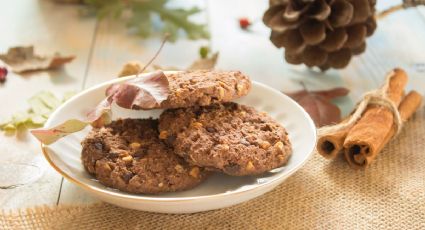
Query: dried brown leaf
(130, 68)
(144, 92)
(204, 63)
(165, 68)
(134, 67)
(100, 115)
(333, 93)
(23, 59)
(318, 104)
(49, 136)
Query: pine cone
(323, 33)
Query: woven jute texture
(390, 194)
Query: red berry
(3, 74)
(244, 23)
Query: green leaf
(113, 8)
(9, 128)
(141, 21)
(38, 120)
(138, 17)
(172, 31)
(5, 122)
(41, 105)
(68, 95)
(180, 18)
(49, 99)
(20, 118)
(38, 106)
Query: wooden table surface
(102, 47)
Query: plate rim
(140, 197)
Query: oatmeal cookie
(204, 87)
(229, 137)
(128, 155)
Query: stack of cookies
(200, 132)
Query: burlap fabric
(322, 195)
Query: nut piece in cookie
(128, 155)
(228, 137)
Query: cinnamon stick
(409, 105)
(373, 128)
(356, 153)
(331, 144)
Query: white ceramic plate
(219, 190)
